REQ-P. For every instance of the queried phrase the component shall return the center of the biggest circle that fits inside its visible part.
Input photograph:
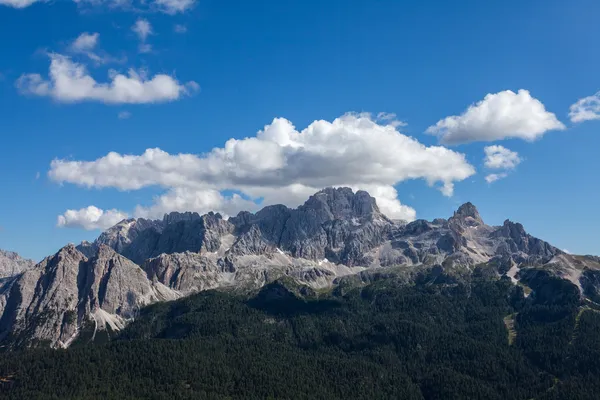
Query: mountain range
(337, 237)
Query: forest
(435, 339)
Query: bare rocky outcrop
(52, 301)
(185, 272)
(12, 264)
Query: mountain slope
(51, 302)
(430, 340)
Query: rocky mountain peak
(468, 215)
(343, 203)
(174, 217)
(69, 253)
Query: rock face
(49, 303)
(12, 264)
(336, 235)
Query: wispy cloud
(164, 6)
(180, 28)
(143, 29)
(586, 109)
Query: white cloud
(202, 201)
(585, 109)
(145, 48)
(498, 116)
(124, 115)
(85, 42)
(499, 157)
(494, 177)
(279, 165)
(70, 82)
(174, 6)
(180, 28)
(165, 6)
(142, 29)
(389, 119)
(18, 3)
(90, 218)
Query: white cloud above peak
(585, 109)
(498, 116)
(500, 158)
(70, 82)
(90, 218)
(491, 178)
(280, 164)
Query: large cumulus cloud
(280, 164)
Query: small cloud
(498, 116)
(586, 109)
(499, 157)
(124, 115)
(180, 28)
(494, 177)
(142, 29)
(174, 6)
(37, 175)
(90, 218)
(145, 48)
(85, 42)
(566, 251)
(390, 119)
(165, 6)
(70, 82)
(18, 3)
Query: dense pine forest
(436, 339)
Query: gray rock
(51, 302)
(12, 264)
(185, 272)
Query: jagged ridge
(336, 233)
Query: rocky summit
(335, 236)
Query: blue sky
(209, 71)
